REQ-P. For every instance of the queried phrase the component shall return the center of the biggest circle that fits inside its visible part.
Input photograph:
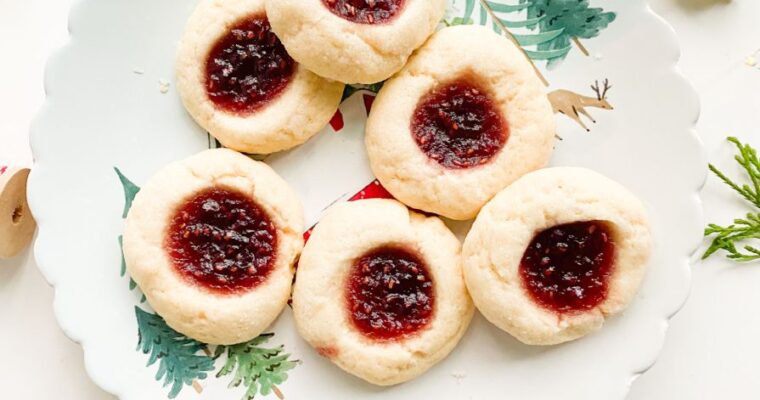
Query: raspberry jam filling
(222, 240)
(459, 126)
(389, 294)
(365, 11)
(248, 67)
(567, 268)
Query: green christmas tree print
(130, 191)
(576, 19)
(259, 369)
(547, 27)
(179, 363)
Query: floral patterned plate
(112, 118)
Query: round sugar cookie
(380, 291)
(354, 41)
(556, 253)
(238, 82)
(464, 118)
(211, 241)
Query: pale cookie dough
(190, 308)
(478, 55)
(351, 52)
(346, 233)
(540, 200)
(302, 109)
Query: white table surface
(713, 345)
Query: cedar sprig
(729, 238)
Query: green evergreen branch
(259, 369)
(177, 355)
(728, 238)
(747, 159)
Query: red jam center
(222, 240)
(566, 268)
(248, 67)
(459, 126)
(365, 11)
(389, 294)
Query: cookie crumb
(459, 375)
(163, 86)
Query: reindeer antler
(601, 94)
(595, 88)
(607, 87)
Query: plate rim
(40, 248)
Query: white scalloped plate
(105, 109)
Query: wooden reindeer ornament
(16, 223)
(574, 105)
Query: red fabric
(337, 121)
(368, 100)
(374, 190)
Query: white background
(713, 345)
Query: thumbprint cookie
(239, 83)
(380, 291)
(211, 241)
(354, 41)
(555, 254)
(464, 119)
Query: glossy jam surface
(459, 126)
(389, 294)
(222, 240)
(248, 67)
(566, 268)
(365, 11)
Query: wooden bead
(16, 222)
